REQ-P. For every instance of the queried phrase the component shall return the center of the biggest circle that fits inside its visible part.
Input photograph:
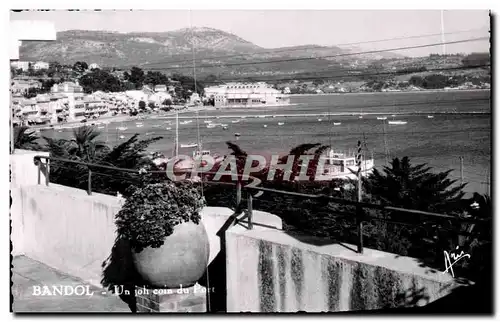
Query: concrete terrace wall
(271, 271)
(73, 232)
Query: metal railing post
(359, 222)
(39, 164)
(238, 194)
(89, 188)
(47, 178)
(249, 211)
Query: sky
(279, 28)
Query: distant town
(51, 93)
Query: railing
(360, 214)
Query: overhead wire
(326, 56)
(284, 50)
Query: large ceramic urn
(181, 260)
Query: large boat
(189, 145)
(342, 165)
(337, 123)
(397, 122)
(382, 118)
(186, 122)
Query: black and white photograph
(251, 161)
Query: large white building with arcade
(246, 95)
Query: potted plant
(161, 222)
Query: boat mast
(195, 86)
(176, 134)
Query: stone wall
(272, 271)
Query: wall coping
(394, 262)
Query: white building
(24, 65)
(246, 94)
(94, 66)
(40, 65)
(74, 94)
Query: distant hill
(169, 51)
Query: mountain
(173, 52)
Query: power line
(395, 73)
(327, 56)
(314, 47)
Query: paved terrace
(27, 273)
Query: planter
(182, 259)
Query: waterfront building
(23, 65)
(39, 65)
(246, 95)
(74, 94)
(94, 106)
(20, 86)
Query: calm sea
(439, 141)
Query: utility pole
(358, 208)
(386, 151)
(461, 170)
(442, 32)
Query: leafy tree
(26, 139)
(136, 76)
(155, 78)
(167, 102)
(100, 80)
(142, 105)
(151, 105)
(80, 66)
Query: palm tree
(25, 138)
(85, 145)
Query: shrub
(151, 213)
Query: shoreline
(398, 92)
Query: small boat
(235, 121)
(150, 133)
(59, 131)
(139, 125)
(207, 121)
(361, 116)
(381, 117)
(224, 127)
(430, 116)
(274, 116)
(337, 123)
(397, 122)
(393, 115)
(168, 128)
(186, 122)
(237, 134)
(189, 145)
(281, 123)
(319, 120)
(121, 128)
(265, 125)
(122, 136)
(211, 126)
